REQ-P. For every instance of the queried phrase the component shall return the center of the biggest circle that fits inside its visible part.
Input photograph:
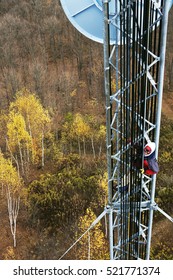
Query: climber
(150, 163)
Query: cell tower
(133, 33)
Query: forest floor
(162, 231)
(163, 228)
(25, 235)
(167, 105)
(28, 236)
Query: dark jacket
(151, 166)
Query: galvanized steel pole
(108, 115)
(166, 8)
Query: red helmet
(149, 148)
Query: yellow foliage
(80, 127)
(104, 184)
(16, 131)
(73, 93)
(27, 123)
(29, 106)
(9, 254)
(97, 244)
(8, 175)
(165, 157)
(93, 103)
(102, 132)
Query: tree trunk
(15, 159)
(13, 210)
(21, 157)
(42, 143)
(79, 146)
(100, 150)
(93, 148)
(84, 148)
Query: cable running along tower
(133, 33)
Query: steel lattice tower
(134, 40)
(134, 69)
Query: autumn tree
(86, 129)
(11, 184)
(97, 134)
(57, 199)
(92, 131)
(93, 245)
(27, 125)
(81, 130)
(67, 136)
(101, 138)
(18, 139)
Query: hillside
(43, 53)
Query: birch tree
(34, 121)
(81, 130)
(67, 135)
(92, 123)
(92, 245)
(101, 137)
(10, 180)
(18, 139)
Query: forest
(53, 174)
